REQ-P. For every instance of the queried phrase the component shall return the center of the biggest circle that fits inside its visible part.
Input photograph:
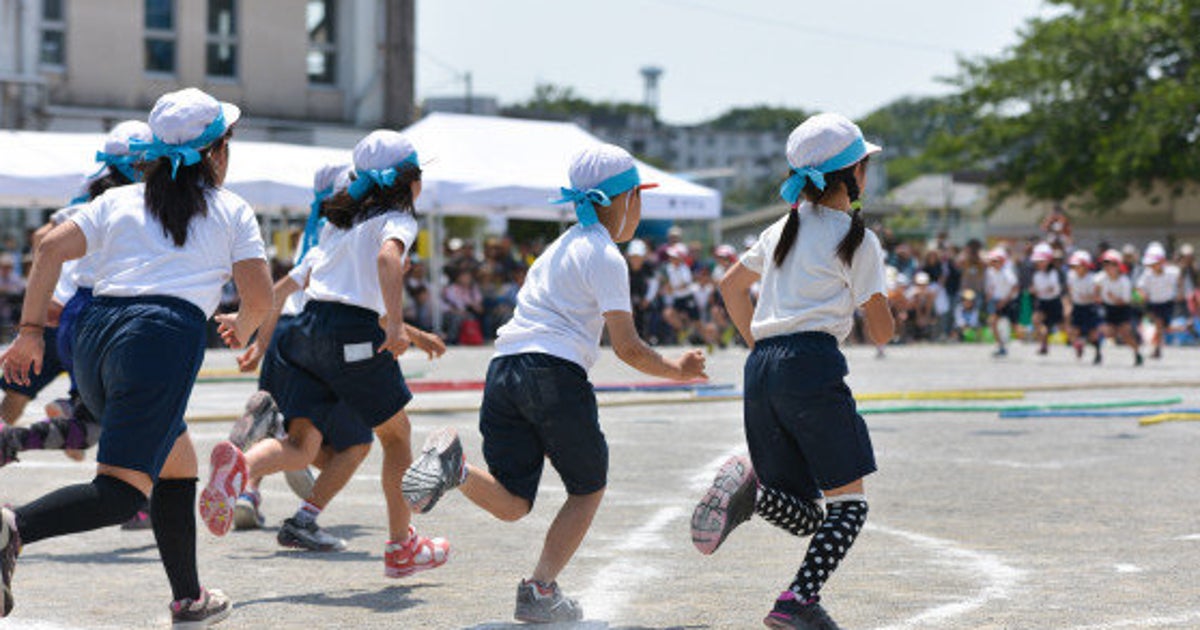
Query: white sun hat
(184, 123)
(822, 144)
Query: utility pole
(399, 46)
(470, 95)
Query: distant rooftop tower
(650, 75)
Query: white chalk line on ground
(998, 578)
(1148, 622)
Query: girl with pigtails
(809, 448)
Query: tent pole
(435, 266)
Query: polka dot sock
(798, 517)
(828, 546)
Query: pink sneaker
(418, 554)
(728, 503)
(228, 475)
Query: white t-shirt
(999, 283)
(560, 309)
(1083, 289)
(679, 280)
(1114, 291)
(1159, 288)
(347, 270)
(299, 274)
(135, 257)
(1046, 284)
(814, 291)
(75, 273)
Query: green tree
(556, 102)
(759, 118)
(1098, 99)
(906, 127)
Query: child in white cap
(1159, 284)
(1115, 291)
(808, 444)
(1085, 309)
(165, 250)
(1002, 289)
(537, 402)
(1046, 286)
(338, 352)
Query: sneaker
(308, 536)
(227, 480)
(438, 469)
(246, 514)
(418, 554)
(1079, 350)
(1000, 352)
(60, 408)
(1138, 359)
(545, 603)
(1044, 349)
(211, 608)
(1097, 359)
(1157, 354)
(300, 481)
(139, 521)
(728, 503)
(10, 547)
(790, 613)
(256, 423)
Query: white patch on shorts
(354, 352)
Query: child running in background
(1159, 284)
(807, 441)
(1002, 289)
(537, 402)
(1085, 311)
(337, 352)
(1115, 291)
(1048, 292)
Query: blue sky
(849, 56)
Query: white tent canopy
(474, 165)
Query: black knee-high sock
(796, 516)
(79, 508)
(173, 515)
(830, 544)
(56, 433)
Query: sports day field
(976, 521)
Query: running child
(1115, 291)
(1085, 310)
(1002, 289)
(336, 351)
(1159, 283)
(807, 442)
(165, 250)
(537, 401)
(1047, 290)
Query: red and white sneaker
(227, 479)
(402, 559)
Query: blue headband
(794, 185)
(122, 163)
(312, 227)
(586, 200)
(187, 153)
(371, 178)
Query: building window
(221, 53)
(52, 50)
(160, 36)
(322, 42)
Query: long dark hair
(858, 227)
(173, 201)
(112, 179)
(343, 211)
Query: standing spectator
(643, 289)
(1189, 284)
(12, 290)
(1002, 293)
(1056, 228)
(972, 267)
(726, 255)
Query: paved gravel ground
(975, 522)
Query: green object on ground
(999, 408)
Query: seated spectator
(968, 323)
(464, 310)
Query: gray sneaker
(257, 422)
(246, 512)
(210, 609)
(438, 469)
(10, 546)
(308, 536)
(545, 603)
(300, 481)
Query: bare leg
(566, 534)
(395, 436)
(339, 468)
(12, 406)
(483, 490)
(291, 453)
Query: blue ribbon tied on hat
(312, 227)
(186, 153)
(601, 195)
(368, 179)
(793, 186)
(120, 163)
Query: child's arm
(428, 342)
(390, 263)
(880, 325)
(632, 350)
(248, 361)
(735, 289)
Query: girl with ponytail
(806, 440)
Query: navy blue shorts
(1051, 310)
(1085, 317)
(66, 328)
(51, 368)
(339, 429)
(1162, 311)
(1011, 311)
(137, 359)
(538, 406)
(1118, 315)
(802, 424)
(329, 354)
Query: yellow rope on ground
(1167, 417)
